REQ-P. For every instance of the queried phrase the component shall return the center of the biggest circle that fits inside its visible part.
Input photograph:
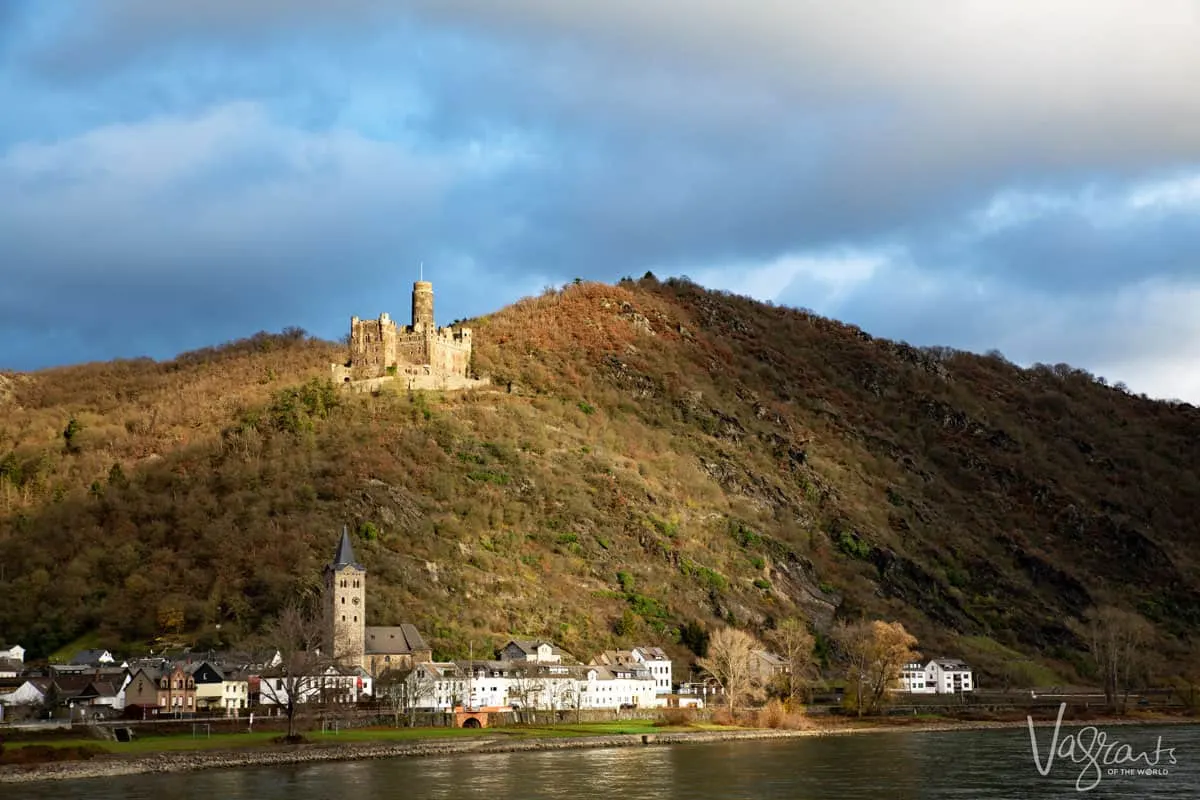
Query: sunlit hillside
(652, 459)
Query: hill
(654, 459)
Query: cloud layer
(977, 174)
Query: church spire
(344, 557)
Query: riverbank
(115, 764)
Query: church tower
(346, 593)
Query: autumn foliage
(655, 462)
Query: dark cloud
(302, 157)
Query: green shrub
(745, 535)
(853, 546)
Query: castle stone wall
(379, 348)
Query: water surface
(942, 765)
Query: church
(355, 644)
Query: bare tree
(298, 636)
(729, 662)
(796, 646)
(1119, 641)
(419, 683)
(875, 654)
(392, 690)
(563, 695)
(525, 686)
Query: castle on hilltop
(422, 355)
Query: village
(389, 666)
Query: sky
(979, 174)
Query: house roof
(150, 671)
(952, 664)
(397, 640)
(103, 688)
(89, 657)
(653, 653)
(72, 685)
(609, 657)
(530, 646)
(344, 555)
(41, 684)
(441, 668)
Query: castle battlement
(379, 348)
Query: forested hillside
(653, 459)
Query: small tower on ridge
(346, 593)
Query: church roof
(344, 557)
(397, 640)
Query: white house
(487, 683)
(235, 692)
(939, 676)
(435, 686)
(659, 665)
(553, 686)
(109, 690)
(30, 693)
(520, 683)
(331, 685)
(219, 688)
(14, 652)
(617, 686)
(652, 659)
(530, 650)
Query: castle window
(343, 617)
(356, 618)
(343, 601)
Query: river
(937, 765)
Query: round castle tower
(422, 307)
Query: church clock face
(355, 601)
